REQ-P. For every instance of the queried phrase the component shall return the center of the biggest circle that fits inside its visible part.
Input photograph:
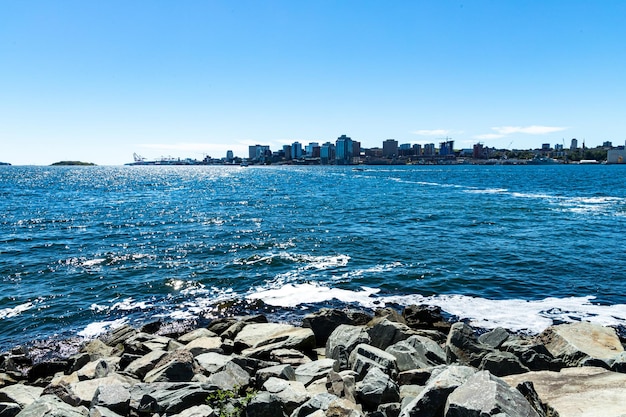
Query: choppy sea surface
(86, 249)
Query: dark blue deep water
(84, 249)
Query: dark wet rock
(325, 321)
(575, 342)
(77, 361)
(167, 397)
(432, 400)
(64, 392)
(532, 354)
(342, 342)
(425, 317)
(317, 402)
(144, 364)
(265, 404)
(218, 326)
(376, 388)
(618, 363)
(364, 357)
(415, 376)
(342, 384)
(494, 338)
(9, 409)
(384, 332)
(502, 363)
(44, 370)
(484, 394)
(463, 346)
(527, 389)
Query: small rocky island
(73, 163)
(338, 363)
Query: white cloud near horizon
(531, 130)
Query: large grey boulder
(204, 344)
(502, 363)
(51, 406)
(177, 366)
(115, 397)
(494, 338)
(212, 362)
(258, 340)
(144, 364)
(194, 334)
(417, 352)
(484, 394)
(231, 377)
(364, 357)
(315, 403)
(342, 342)
(85, 390)
(265, 404)
(532, 354)
(575, 343)
(290, 394)
(431, 400)
(579, 392)
(377, 388)
(282, 371)
(384, 332)
(20, 394)
(197, 411)
(463, 347)
(167, 397)
(342, 384)
(309, 372)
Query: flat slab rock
(579, 392)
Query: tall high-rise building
(390, 148)
(343, 150)
(327, 153)
(296, 150)
(574, 145)
(229, 156)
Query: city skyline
(100, 81)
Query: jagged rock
(389, 410)
(51, 406)
(197, 411)
(527, 389)
(194, 334)
(115, 397)
(326, 320)
(291, 357)
(20, 394)
(142, 343)
(342, 342)
(311, 371)
(233, 330)
(364, 357)
(407, 356)
(265, 405)
(97, 369)
(342, 384)
(415, 376)
(575, 342)
(167, 397)
(126, 359)
(377, 388)
(64, 392)
(174, 367)
(204, 344)
(230, 378)
(97, 349)
(463, 347)
(283, 371)
(576, 392)
(77, 361)
(502, 363)
(212, 362)
(317, 402)
(85, 390)
(342, 408)
(144, 364)
(218, 326)
(425, 317)
(431, 350)
(618, 363)
(291, 394)
(46, 369)
(432, 400)
(384, 332)
(259, 340)
(97, 411)
(484, 394)
(390, 314)
(532, 354)
(494, 338)
(9, 409)
(119, 335)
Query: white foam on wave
(97, 328)
(513, 314)
(6, 313)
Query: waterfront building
(229, 156)
(574, 145)
(417, 150)
(446, 148)
(616, 156)
(343, 150)
(607, 144)
(259, 152)
(310, 149)
(429, 149)
(296, 150)
(390, 148)
(287, 152)
(327, 153)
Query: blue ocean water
(85, 249)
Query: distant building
(296, 150)
(607, 144)
(287, 151)
(574, 145)
(230, 156)
(309, 149)
(446, 148)
(390, 148)
(429, 149)
(417, 150)
(545, 147)
(343, 150)
(259, 152)
(327, 153)
(616, 156)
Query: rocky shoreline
(337, 363)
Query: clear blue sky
(98, 80)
